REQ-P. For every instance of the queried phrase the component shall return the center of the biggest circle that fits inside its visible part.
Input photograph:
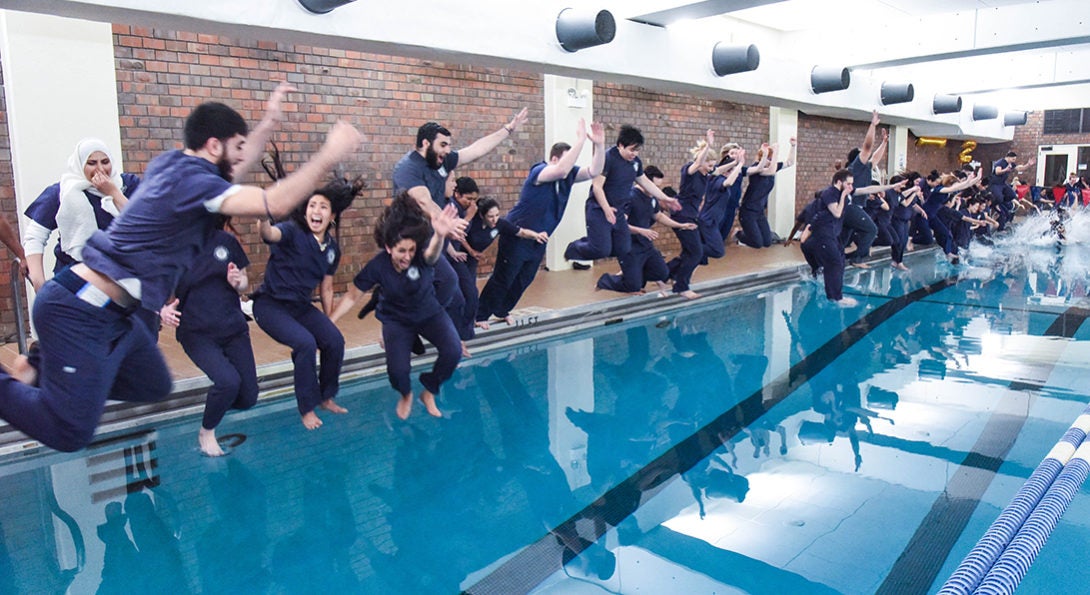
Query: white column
(782, 125)
(566, 100)
(897, 156)
(60, 87)
(571, 384)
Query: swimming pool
(767, 442)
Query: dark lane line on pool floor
(919, 564)
(526, 569)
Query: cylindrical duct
(946, 104)
(985, 112)
(824, 79)
(897, 93)
(323, 6)
(732, 59)
(1015, 118)
(578, 29)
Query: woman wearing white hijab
(88, 197)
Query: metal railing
(18, 287)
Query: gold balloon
(924, 141)
(966, 154)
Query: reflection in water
(120, 558)
(231, 551)
(327, 532)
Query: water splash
(1053, 253)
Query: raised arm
(260, 135)
(962, 185)
(444, 224)
(482, 146)
(880, 153)
(709, 141)
(791, 153)
(868, 140)
(280, 199)
(598, 157)
(559, 170)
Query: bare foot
(405, 406)
(209, 446)
(664, 289)
(428, 400)
(510, 320)
(482, 324)
(465, 350)
(311, 421)
(382, 343)
(332, 407)
(846, 302)
(22, 371)
(689, 294)
(860, 265)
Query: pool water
(767, 442)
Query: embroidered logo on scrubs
(413, 273)
(330, 256)
(494, 232)
(635, 166)
(221, 253)
(654, 204)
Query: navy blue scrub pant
(942, 234)
(517, 263)
(825, 252)
(898, 239)
(398, 338)
(755, 230)
(730, 210)
(602, 240)
(229, 364)
(88, 355)
(711, 240)
(640, 265)
(448, 291)
(467, 285)
(858, 228)
(692, 252)
(305, 329)
(1004, 196)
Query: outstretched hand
(273, 107)
(519, 119)
(597, 133)
(447, 222)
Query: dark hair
(653, 173)
(485, 204)
(428, 131)
(629, 136)
(934, 176)
(340, 192)
(1011, 154)
(896, 178)
(212, 120)
(559, 149)
(852, 155)
(466, 185)
(841, 175)
(669, 191)
(403, 219)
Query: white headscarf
(76, 217)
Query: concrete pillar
(567, 100)
(782, 125)
(897, 155)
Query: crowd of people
(136, 252)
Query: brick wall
(672, 124)
(8, 207)
(162, 74)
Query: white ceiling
(1019, 54)
(1007, 54)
